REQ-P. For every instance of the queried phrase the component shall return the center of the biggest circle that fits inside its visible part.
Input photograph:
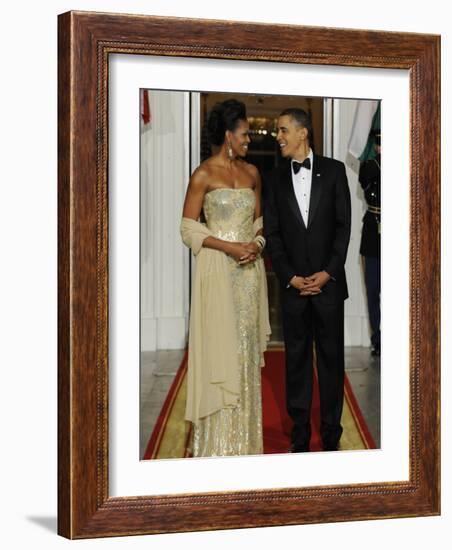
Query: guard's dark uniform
(370, 180)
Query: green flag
(369, 150)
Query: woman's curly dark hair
(224, 116)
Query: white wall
(164, 257)
(356, 315)
(28, 229)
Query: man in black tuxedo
(307, 218)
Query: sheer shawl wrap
(213, 380)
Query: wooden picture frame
(85, 41)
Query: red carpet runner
(171, 432)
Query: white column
(357, 332)
(164, 258)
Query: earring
(230, 152)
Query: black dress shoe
(330, 446)
(298, 449)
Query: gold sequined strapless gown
(229, 215)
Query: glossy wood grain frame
(85, 42)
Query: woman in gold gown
(229, 326)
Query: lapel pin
(317, 175)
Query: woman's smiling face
(240, 138)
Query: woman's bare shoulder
(251, 170)
(201, 174)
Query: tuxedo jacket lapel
(316, 188)
(290, 193)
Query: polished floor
(159, 368)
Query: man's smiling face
(290, 136)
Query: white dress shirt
(302, 187)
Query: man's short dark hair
(301, 118)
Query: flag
(369, 150)
(145, 108)
(366, 115)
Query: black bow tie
(305, 164)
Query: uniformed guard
(370, 180)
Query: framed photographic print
(176, 122)
(135, 93)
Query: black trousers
(373, 285)
(309, 320)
